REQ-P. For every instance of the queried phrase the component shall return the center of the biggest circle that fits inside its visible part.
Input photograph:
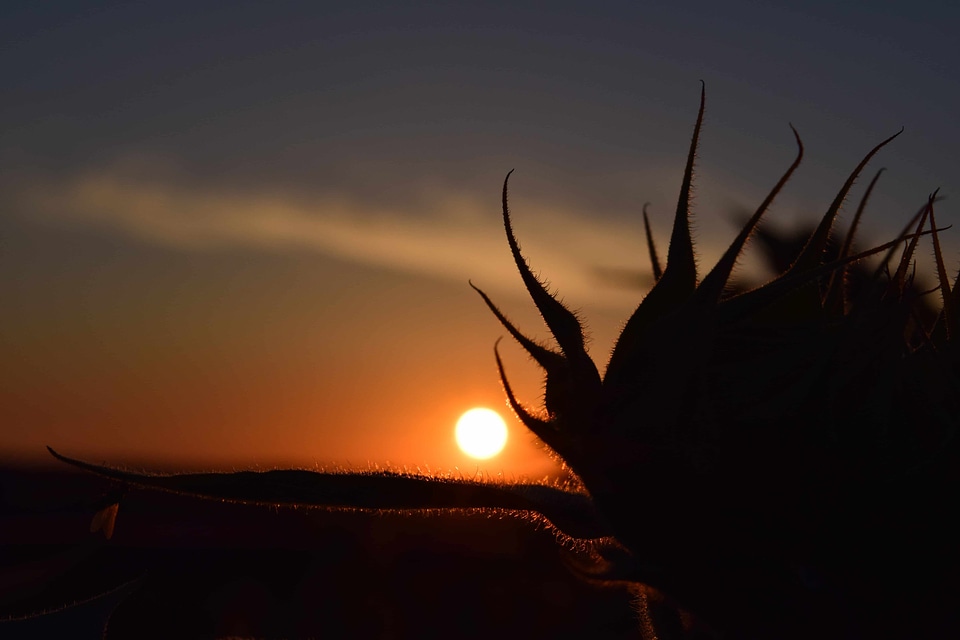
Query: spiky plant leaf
(651, 246)
(779, 463)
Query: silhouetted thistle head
(781, 462)
(746, 442)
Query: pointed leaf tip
(539, 426)
(813, 251)
(713, 284)
(563, 323)
(546, 358)
(679, 277)
(681, 262)
(836, 295)
(651, 245)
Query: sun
(481, 433)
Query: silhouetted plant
(780, 462)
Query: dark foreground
(179, 567)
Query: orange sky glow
(244, 238)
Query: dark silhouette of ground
(191, 568)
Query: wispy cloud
(437, 231)
(458, 236)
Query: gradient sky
(241, 233)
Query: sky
(240, 234)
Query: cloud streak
(438, 231)
(458, 236)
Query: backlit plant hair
(775, 463)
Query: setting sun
(481, 433)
